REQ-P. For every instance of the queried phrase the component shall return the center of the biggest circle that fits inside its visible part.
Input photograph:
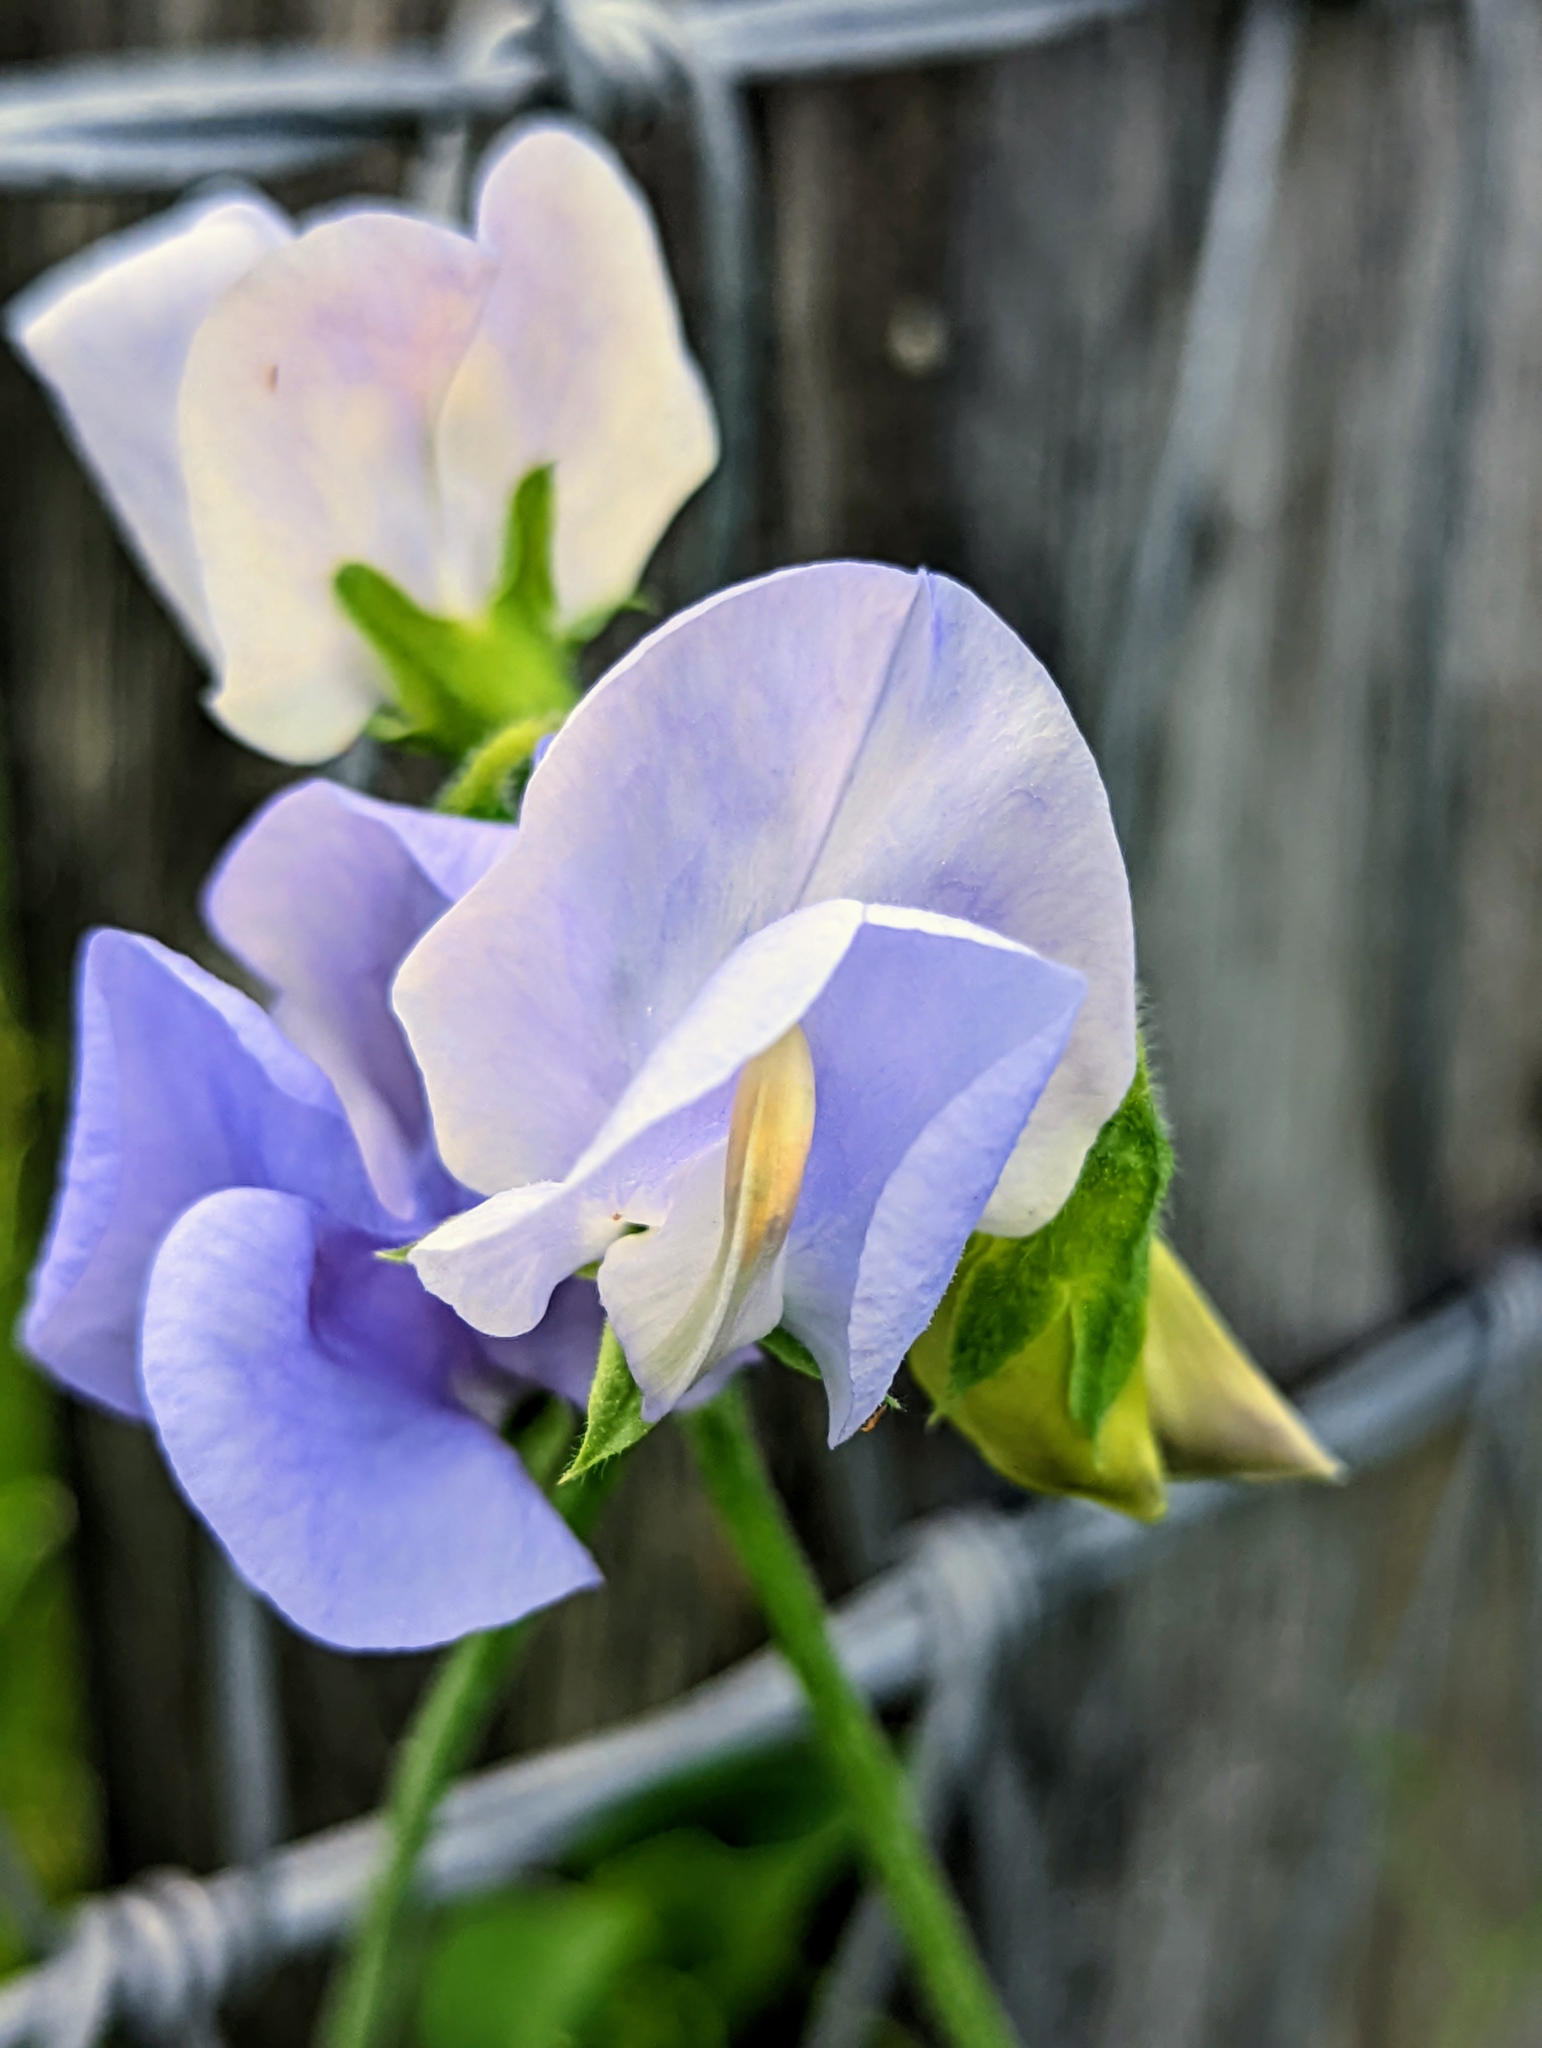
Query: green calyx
(1082, 1281)
(615, 1420)
(457, 683)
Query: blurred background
(1207, 346)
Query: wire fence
(164, 1955)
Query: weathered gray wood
(1047, 209)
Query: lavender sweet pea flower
(813, 953)
(213, 1261)
(261, 407)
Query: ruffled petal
(306, 418)
(303, 1390)
(579, 361)
(932, 1045)
(932, 1040)
(321, 896)
(498, 1263)
(109, 334)
(835, 732)
(182, 1086)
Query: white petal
(579, 361)
(109, 334)
(306, 417)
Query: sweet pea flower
(261, 407)
(213, 1265)
(813, 953)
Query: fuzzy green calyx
(1090, 1264)
(615, 1420)
(456, 682)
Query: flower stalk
(477, 790)
(949, 1970)
(468, 1684)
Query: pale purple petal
(306, 418)
(931, 1047)
(680, 809)
(651, 1282)
(182, 1086)
(559, 1353)
(836, 731)
(579, 361)
(498, 1263)
(303, 1390)
(973, 794)
(320, 897)
(109, 334)
(932, 1040)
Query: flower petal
(559, 1354)
(652, 1282)
(109, 334)
(306, 417)
(497, 1264)
(932, 1041)
(973, 793)
(182, 1086)
(835, 732)
(932, 1045)
(579, 361)
(302, 1390)
(321, 896)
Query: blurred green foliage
(47, 1789)
(685, 1924)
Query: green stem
(476, 792)
(948, 1966)
(445, 1730)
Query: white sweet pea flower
(261, 407)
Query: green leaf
(787, 1349)
(529, 1970)
(733, 1918)
(1090, 1263)
(615, 1410)
(37, 1515)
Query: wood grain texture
(1186, 1735)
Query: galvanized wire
(156, 122)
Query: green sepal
(1091, 1264)
(615, 1411)
(789, 1350)
(397, 1254)
(526, 587)
(1019, 1420)
(455, 680)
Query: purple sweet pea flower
(213, 1261)
(813, 953)
(261, 407)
